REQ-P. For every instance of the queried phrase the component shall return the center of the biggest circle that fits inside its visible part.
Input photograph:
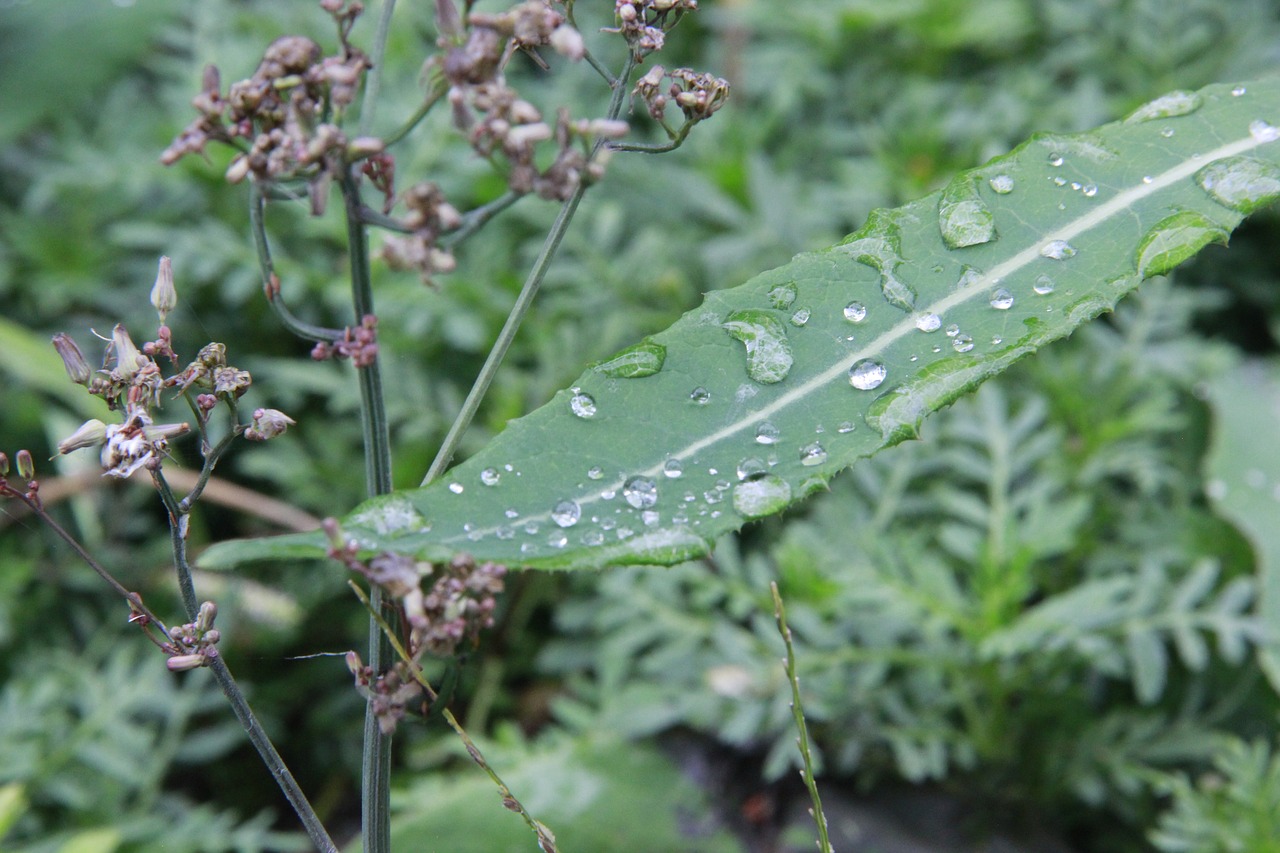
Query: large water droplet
(800, 317)
(1263, 132)
(1055, 159)
(644, 359)
(1174, 239)
(582, 405)
(845, 427)
(1057, 250)
(1174, 104)
(566, 513)
(1243, 184)
(867, 374)
(1002, 184)
(750, 468)
(878, 245)
(640, 492)
(673, 468)
(962, 343)
(701, 396)
(952, 330)
(813, 454)
(1043, 285)
(768, 350)
(490, 476)
(928, 322)
(782, 296)
(855, 312)
(761, 497)
(767, 433)
(1001, 299)
(963, 218)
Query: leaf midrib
(1120, 202)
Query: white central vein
(979, 286)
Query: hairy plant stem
(524, 300)
(376, 763)
(797, 711)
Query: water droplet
(511, 512)
(1001, 299)
(608, 494)
(1057, 250)
(595, 472)
(800, 317)
(531, 527)
(1166, 132)
(673, 468)
(845, 427)
(644, 359)
(757, 498)
(963, 217)
(1089, 190)
(1055, 159)
(700, 395)
(1174, 104)
(456, 488)
(1059, 182)
(1241, 183)
(1238, 91)
(1002, 184)
(490, 476)
(855, 312)
(528, 548)
(650, 517)
(750, 467)
(878, 245)
(592, 538)
(767, 433)
(1263, 132)
(625, 533)
(782, 296)
(962, 343)
(952, 330)
(928, 322)
(557, 539)
(582, 405)
(768, 350)
(813, 454)
(996, 340)
(640, 492)
(504, 532)
(711, 496)
(867, 374)
(566, 513)
(1174, 239)
(1043, 285)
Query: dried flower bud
(205, 616)
(4, 465)
(72, 359)
(128, 357)
(568, 42)
(26, 466)
(90, 434)
(268, 423)
(212, 636)
(364, 146)
(212, 355)
(182, 663)
(238, 170)
(164, 297)
(231, 380)
(164, 432)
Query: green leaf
(769, 389)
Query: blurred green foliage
(1036, 608)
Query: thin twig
(373, 80)
(433, 96)
(797, 711)
(474, 220)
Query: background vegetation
(1043, 618)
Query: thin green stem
(178, 525)
(433, 96)
(523, 301)
(677, 139)
(797, 711)
(271, 282)
(373, 80)
(474, 220)
(376, 763)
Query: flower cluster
(191, 645)
(131, 381)
(644, 23)
(697, 95)
(358, 343)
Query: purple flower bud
(268, 423)
(182, 663)
(127, 354)
(163, 294)
(72, 359)
(204, 618)
(90, 434)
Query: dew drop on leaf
(1055, 159)
(928, 322)
(867, 374)
(1057, 250)
(855, 312)
(1263, 132)
(761, 497)
(782, 296)
(673, 469)
(878, 245)
(1001, 299)
(800, 317)
(1179, 103)
(640, 492)
(751, 468)
(1089, 190)
(962, 343)
(1238, 91)
(1241, 183)
(963, 218)
(1043, 285)
(566, 513)
(490, 476)
(644, 359)
(845, 427)
(767, 433)
(1002, 184)
(952, 330)
(700, 396)
(1173, 240)
(557, 539)
(592, 538)
(765, 338)
(582, 405)
(456, 488)
(595, 472)
(813, 454)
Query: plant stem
(524, 301)
(271, 282)
(373, 80)
(797, 711)
(376, 763)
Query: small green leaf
(898, 320)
